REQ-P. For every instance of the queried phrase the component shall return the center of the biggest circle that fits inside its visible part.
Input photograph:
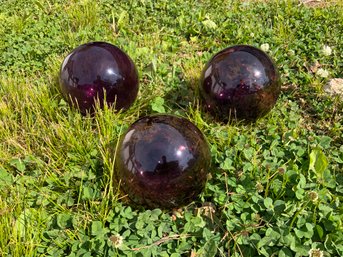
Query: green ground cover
(276, 186)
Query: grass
(276, 185)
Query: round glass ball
(240, 82)
(98, 71)
(162, 161)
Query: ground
(275, 185)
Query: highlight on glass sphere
(240, 82)
(98, 71)
(162, 161)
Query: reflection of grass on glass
(275, 186)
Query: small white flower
(315, 253)
(322, 73)
(252, 34)
(327, 50)
(334, 87)
(313, 195)
(259, 187)
(117, 240)
(265, 47)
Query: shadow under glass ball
(240, 82)
(98, 71)
(162, 161)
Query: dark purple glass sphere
(162, 161)
(98, 71)
(240, 82)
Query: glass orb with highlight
(98, 71)
(162, 161)
(240, 82)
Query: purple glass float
(98, 71)
(162, 161)
(240, 82)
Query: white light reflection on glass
(111, 72)
(257, 73)
(180, 150)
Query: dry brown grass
(309, 3)
(321, 3)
